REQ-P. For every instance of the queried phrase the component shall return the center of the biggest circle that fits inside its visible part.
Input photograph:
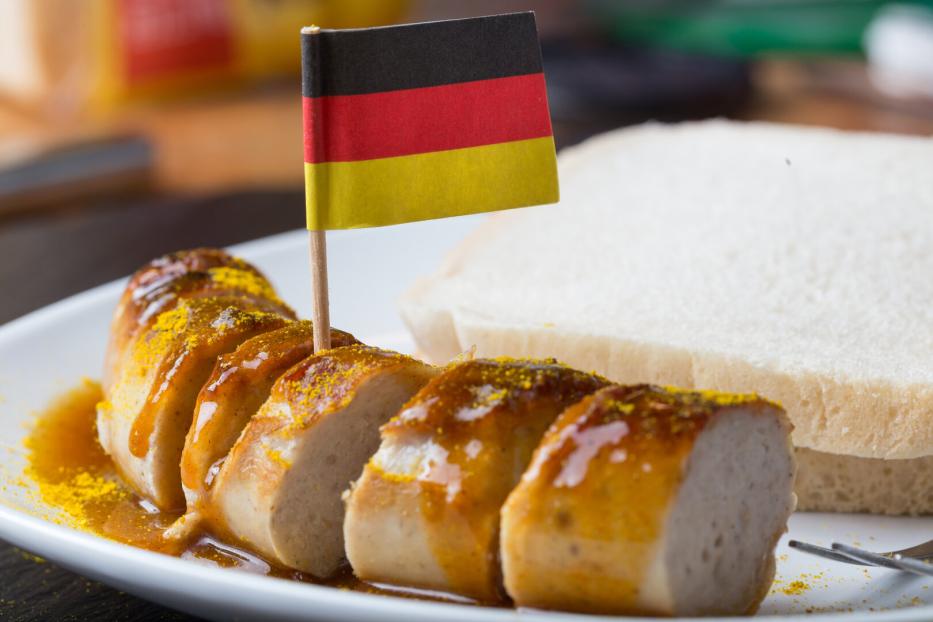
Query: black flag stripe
(373, 60)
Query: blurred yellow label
(152, 49)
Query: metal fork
(916, 559)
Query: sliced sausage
(160, 284)
(238, 386)
(650, 501)
(279, 490)
(146, 413)
(425, 512)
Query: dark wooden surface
(35, 590)
(48, 256)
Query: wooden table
(46, 256)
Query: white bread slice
(792, 262)
(839, 483)
(649, 501)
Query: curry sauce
(74, 475)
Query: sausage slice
(160, 284)
(649, 501)
(238, 386)
(148, 409)
(425, 512)
(279, 490)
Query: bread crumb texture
(835, 483)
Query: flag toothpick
(320, 311)
(317, 247)
(421, 121)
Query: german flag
(422, 121)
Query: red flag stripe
(347, 128)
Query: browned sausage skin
(160, 284)
(240, 383)
(279, 490)
(643, 500)
(176, 316)
(425, 513)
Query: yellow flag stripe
(389, 191)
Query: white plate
(48, 351)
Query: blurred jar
(899, 46)
(70, 56)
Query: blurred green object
(743, 27)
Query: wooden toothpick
(317, 250)
(320, 311)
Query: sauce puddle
(74, 474)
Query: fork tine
(915, 565)
(923, 552)
(826, 553)
(866, 556)
(879, 560)
(853, 555)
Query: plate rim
(354, 603)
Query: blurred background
(133, 127)
(129, 128)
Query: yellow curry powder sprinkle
(160, 338)
(490, 398)
(76, 495)
(510, 374)
(243, 280)
(795, 588)
(67, 464)
(193, 323)
(389, 476)
(619, 406)
(327, 384)
(331, 388)
(276, 457)
(470, 389)
(33, 558)
(173, 321)
(718, 398)
(74, 482)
